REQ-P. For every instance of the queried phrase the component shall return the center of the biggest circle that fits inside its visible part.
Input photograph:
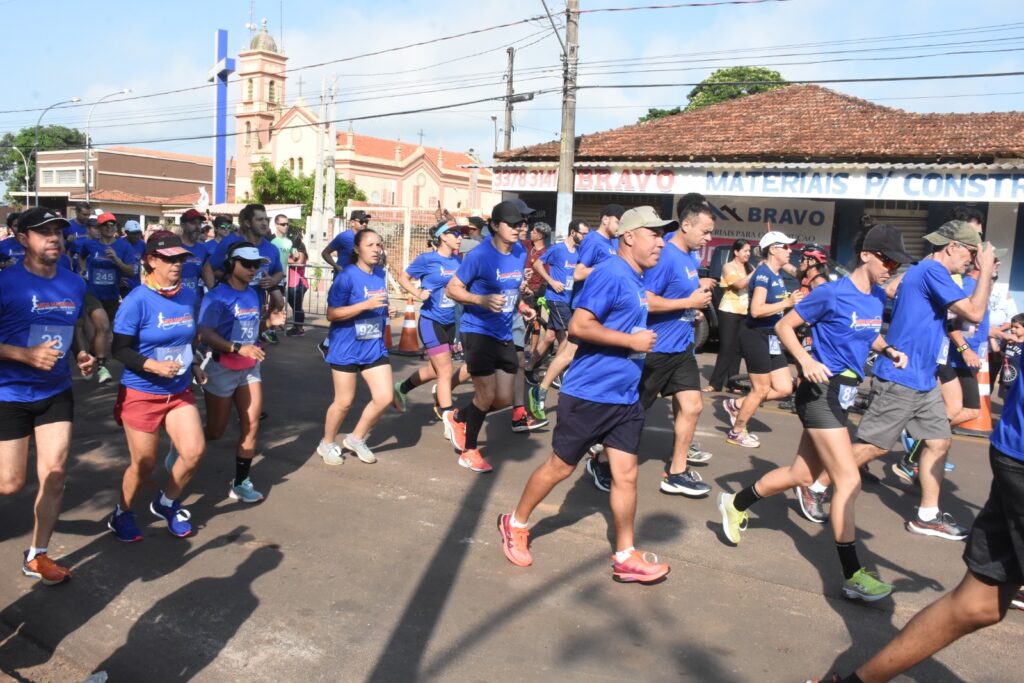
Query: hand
(527, 274)
(529, 315)
(163, 368)
(266, 282)
(251, 351)
(199, 374)
(86, 363)
(494, 302)
(898, 358)
(276, 318)
(971, 358)
(557, 287)
(424, 294)
(699, 299)
(794, 298)
(643, 341)
(110, 254)
(815, 371)
(986, 258)
(337, 268)
(378, 300)
(44, 356)
(708, 282)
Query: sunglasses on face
(889, 264)
(250, 265)
(364, 222)
(973, 251)
(181, 258)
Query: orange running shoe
(472, 460)
(454, 431)
(515, 541)
(638, 568)
(46, 570)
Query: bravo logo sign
(748, 218)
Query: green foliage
(710, 91)
(280, 186)
(12, 168)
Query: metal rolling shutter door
(912, 222)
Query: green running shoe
(536, 397)
(400, 401)
(865, 585)
(733, 521)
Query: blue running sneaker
(687, 483)
(176, 516)
(122, 523)
(172, 457)
(950, 466)
(245, 492)
(907, 441)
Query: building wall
(138, 174)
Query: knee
(53, 479)
(11, 483)
(846, 483)
(625, 477)
(558, 468)
(341, 405)
(102, 326)
(938, 446)
(192, 454)
(213, 433)
(144, 468)
(976, 615)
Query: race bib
(245, 331)
(774, 347)
(447, 301)
(103, 278)
(182, 354)
(688, 315)
(258, 277)
(569, 282)
(190, 283)
(511, 298)
(369, 329)
(847, 395)
(943, 358)
(62, 334)
(637, 355)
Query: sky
(102, 47)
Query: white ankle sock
(33, 551)
(516, 523)
(818, 487)
(623, 555)
(927, 514)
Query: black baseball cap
(359, 215)
(507, 212)
(221, 220)
(476, 222)
(39, 216)
(523, 208)
(613, 210)
(887, 241)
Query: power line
(679, 5)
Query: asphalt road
(393, 571)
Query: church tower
(261, 77)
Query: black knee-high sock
(474, 423)
(745, 498)
(242, 470)
(848, 558)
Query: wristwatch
(962, 348)
(235, 347)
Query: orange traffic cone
(408, 344)
(981, 425)
(388, 342)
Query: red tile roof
(800, 123)
(159, 154)
(121, 197)
(381, 148)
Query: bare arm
(974, 307)
(659, 304)
(760, 309)
(328, 256)
(586, 327)
(785, 329)
(580, 272)
(406, 283)
(542, 270)
(352, 310)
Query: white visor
(249, 254)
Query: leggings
(296, 295)
(728, 362)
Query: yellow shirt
(733, 301)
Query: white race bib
(182, 354)
(244, 331)
(369, 329)
(774, 347)
(943, 358)
(847, 395)
(62, 334)
(569, 282)
(103, 278)
(511, 298)
(637, 355)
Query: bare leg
(686, 408)
(932, 470)
(52, 442)
(381, 394)
(441, 366)
(344, 393)
(623, 496)
(249, 403)
(544, 479)
(559, 363)
(519, 383)
(186, 431)
(142, 446)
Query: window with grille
(67, 177)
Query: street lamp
(36, 147)
(24, 161)
(494, 120)
(88, 138)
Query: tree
(723, 85)
(280, 186)
(12, 168)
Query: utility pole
(318, 182)
(332, 146)
(567, 151)
(508, 100)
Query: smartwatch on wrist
(235, 347)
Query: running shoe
(943, 526)
(556, 383)
(322, 348)
(295, 331)
(812, 504)
(527, 423)
(172, 457)
(401, 400)
(103, 375)
(176, 516)
(908, 442)
(905, 470)
(950, 466)
(834, 679)
(331, 453)
(729, 405)
(472, 460)
(46, 570)
(359, 447)
(639, 567)
(531, 377)
(270, 337)
(687, 483)
(122, 523)
(454, 431)
(600, 473)
(1018, 601)
(733, 521)
(788, 404)
(742, 439)
(695, 454)
(515, 541)
(536, 399)
(865, 585)
(245, 492)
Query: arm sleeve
(816, 304)
(123, 349)
(760, 279)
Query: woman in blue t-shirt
(766, 363)
(229, 324)
(357, 307)
(434, 269)
(846, 319)
(153, 335)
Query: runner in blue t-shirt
(599, 401)
(357, 308)
(598, 245)
(846, 321)
(41, 309)
(229, 324)
(434, 270)
(337, 254)
(133, 238)
(760, 348)
(487, 284)
(78, 229)
(11, 250)
(676, 295)
(154, 332)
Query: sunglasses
(889, 264)
(282, 225)
(783, 246)
(251, 265)
(364, 222)
(973, 250)
(180, 258)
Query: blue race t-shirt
(775, 291)
(165, 328)
(192, 269)
(974, 335)
(434, 271)
(102, 275)
(139, 249)
(918, 326)
(232, 314)
(485, 270)
(844, 323)
(11, 249)
(266, 249)
(74, 234)
(1008, 435)
(561, 263)
(342, 245)
(594, 249)
(34, 310)
(675, 276)
(609, 374)
(358, 340)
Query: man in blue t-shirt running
(599, 402)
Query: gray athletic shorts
(222, 382)
(895, 407)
